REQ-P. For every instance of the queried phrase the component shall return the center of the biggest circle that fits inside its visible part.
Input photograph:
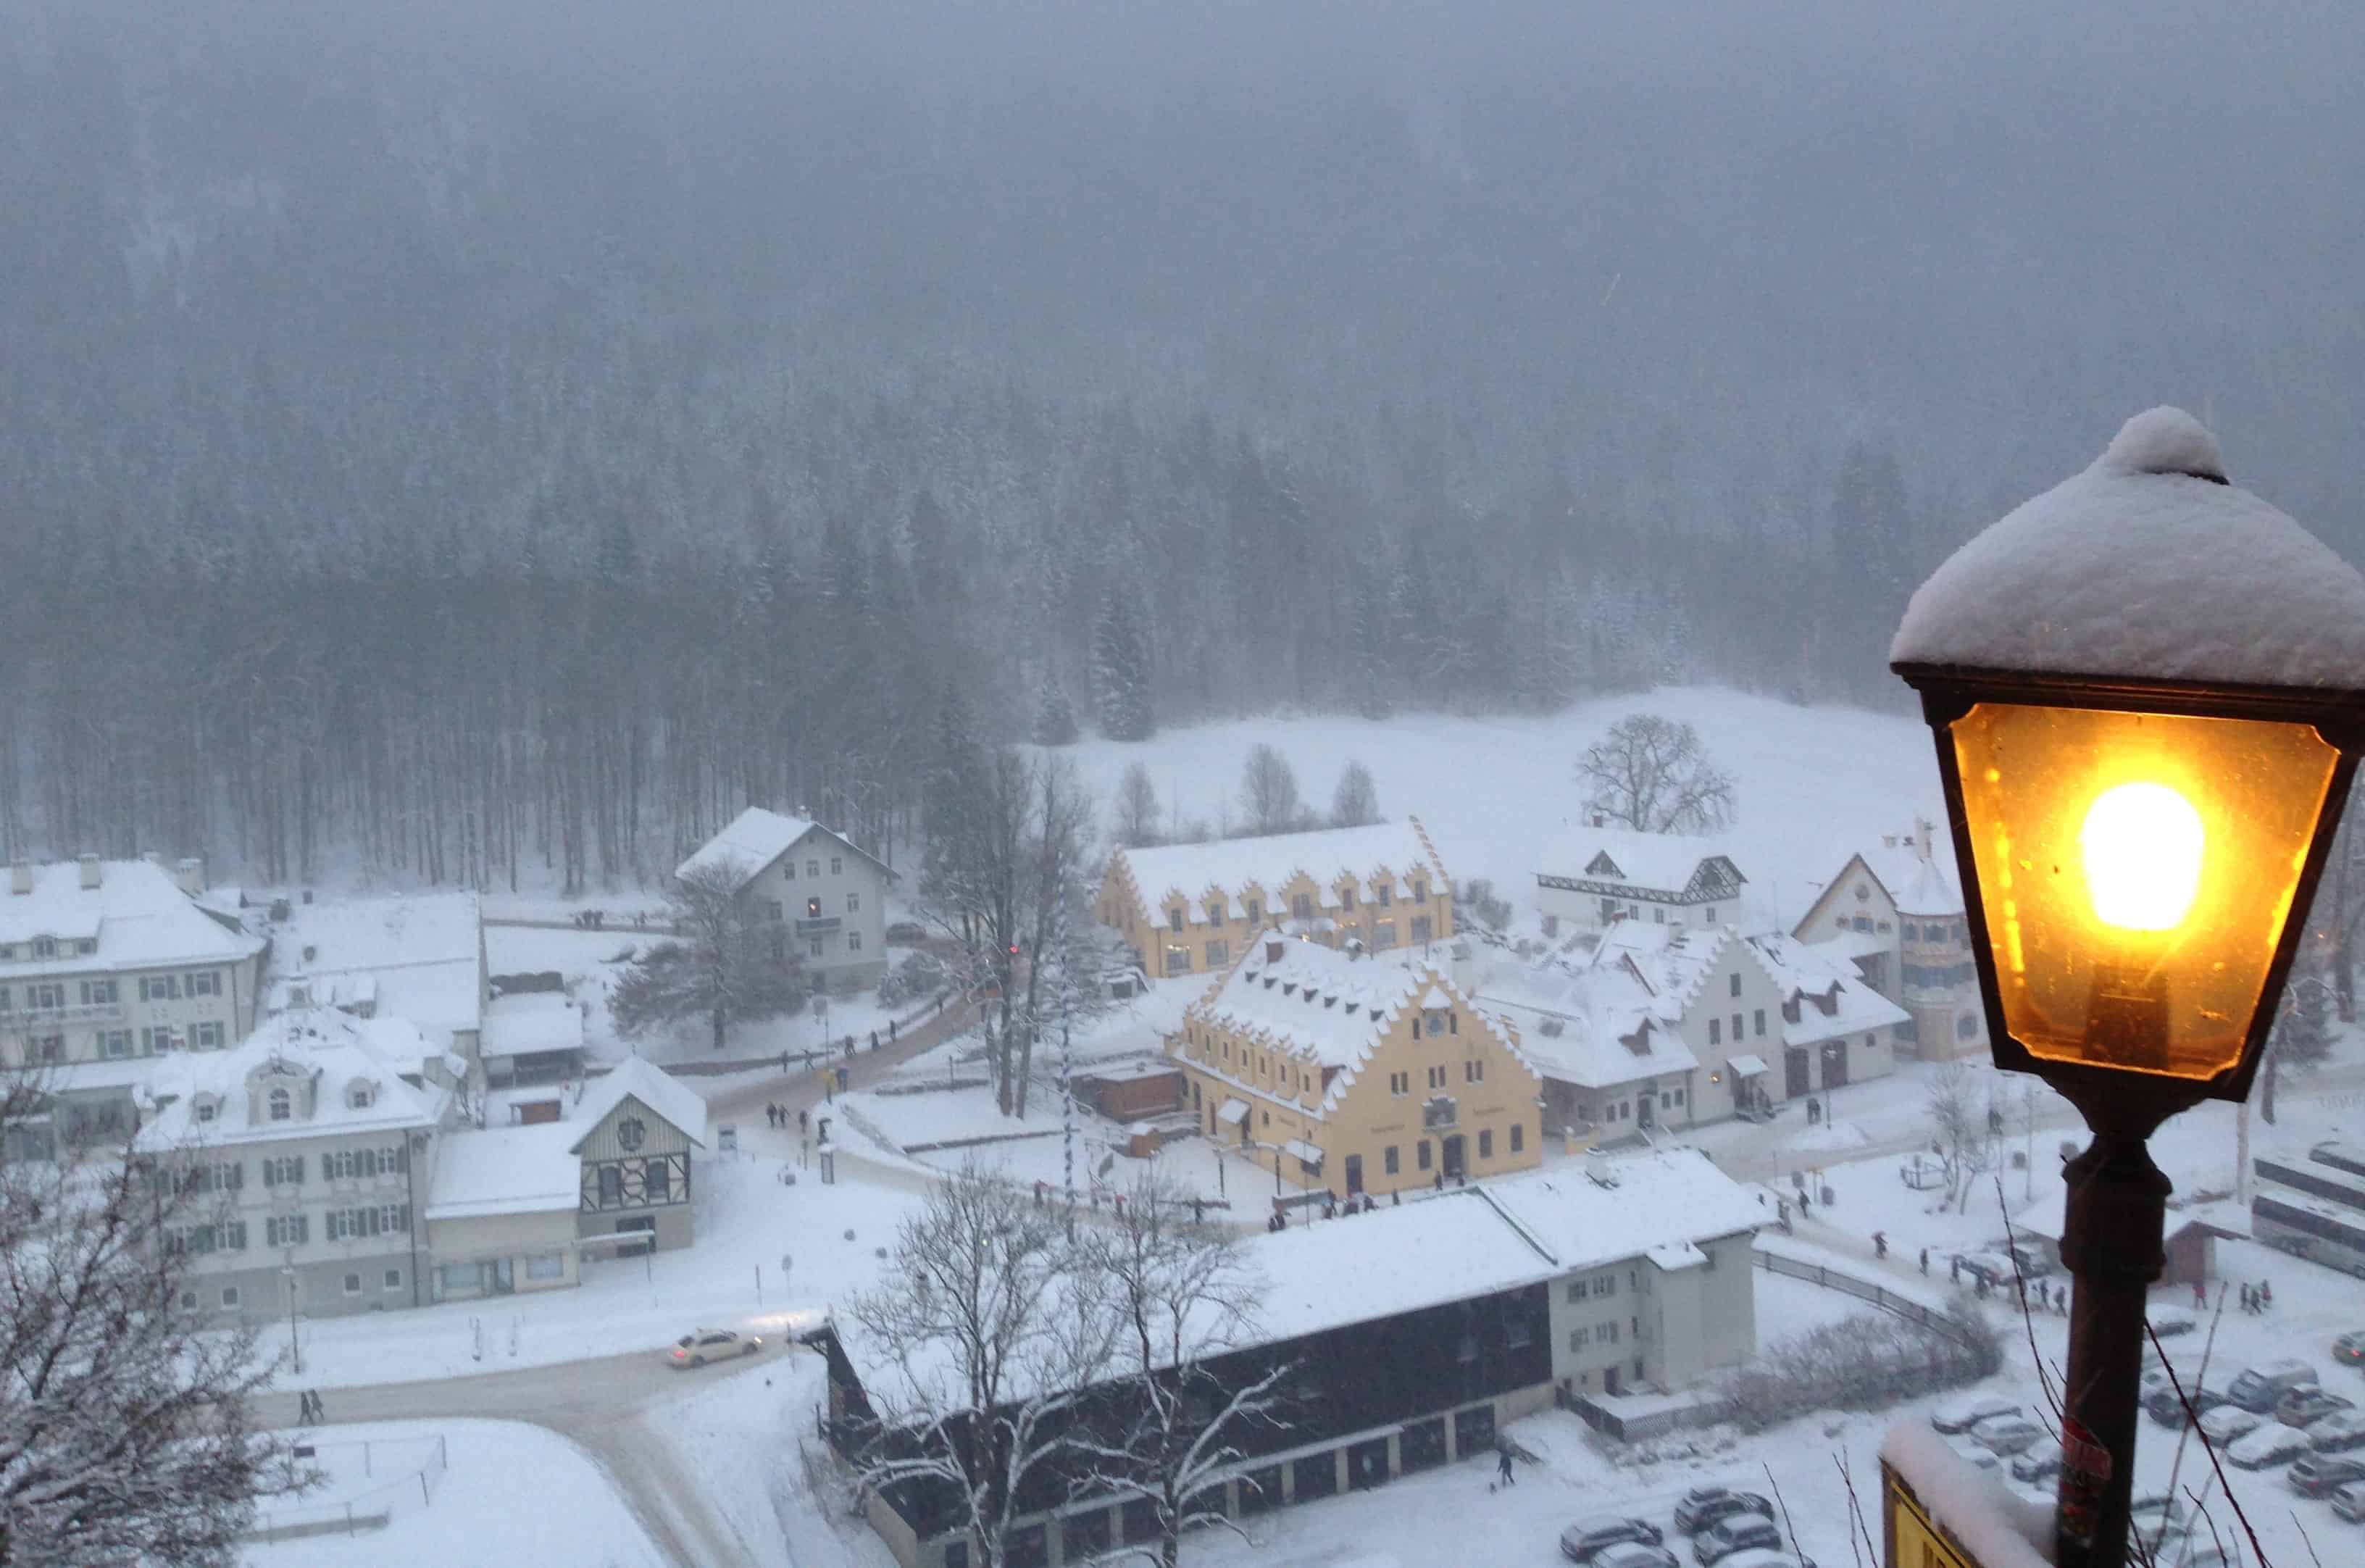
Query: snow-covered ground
(509, 1492)
(1812, 782)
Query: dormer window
(361, 1096)
(45, 947)
(282, 1104)
(205, 1108)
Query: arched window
(282, 1105)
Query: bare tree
(1652, 775)
(1134, 817)
(988, 1334)
(127, 1421)
(1356, 801)
(1961, 1129)
(1268, 792)
(1182, 1295)
(730, 966)
(2338, 912)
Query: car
(1994, 1267)
(2039, 1462)
(2318, 1474)
(2167, 1323)
(2349, 1502)
(700, 1346)
(1978, 1458)
(1962, 1413)
(2337, 1433)
(2273, 1443)
(2227, 1423)
(1764, 1557)
(2167, 1407)
(1634, 1555)
(2349, 1349)
(2303, 1407)
(2033, 1263)
(1714, 1510)
(2007, 1435)
(2153, 1508)
(1737, 1532)
(1703, 1505)
(1582, 1539)
(2208, 1551)
(2262, 1387)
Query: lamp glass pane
(2137, 870)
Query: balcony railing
(92, 1013)
(815, 925)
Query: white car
(1962, 1413)
(2228, 1422)
(704, 1344)
(2273, 1443)
(2008, 1434)
(1977, 1457)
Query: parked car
(2167, 1407)
(2040, 1462)
(2152, 1509)
(2261, 1388)
(2168, 1323)
(2227, 1423)
(2349, 1502)
(1737, 1532)
(1635, 1554)
(1962, 1413)
(1587, 1536)
(2337, 1433)
(1726, 1504)
(2273, 1443)
(704, 1344)
(1995, 1268)
(1760, 1557)
(1978, 1458)
(2349, 1349)
(2034, 1263)
(2303, 1407)
(2318, 1474)
(2007, 1435)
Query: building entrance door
(1834, 1063)
(1354, 1175)
(1453, 1165)
(1609, 1380)
(504, 1281)
(1794, 1072)
(1647, 1110)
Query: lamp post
(294, 1344)
(2147, 692)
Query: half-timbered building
(1595, 876)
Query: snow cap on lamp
(2150, 566)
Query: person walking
(890, 1031)
(802, 1115)
(2246, 1298)
(1880, 1245)
(1503, 1465)
(1954, 1269)
(1925, 1262)
(2266, 1294)
(2200, 1296)
(874, 1039)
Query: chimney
(20, 877)
(89, 869)
(1272, 950)
(1888, 841)
(1596, 1168)
(190, 874)
(1921, 837)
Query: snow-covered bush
(1478, 895)
(1863, 1363)
(922, 973)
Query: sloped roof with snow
(523, 1022)
(652, 1087)
(137, 915)
(1327, 855)
(335, 1049)
(503, 1170)
(1662, 1198)
(1593, 1028)
(1810, 976)
(2147, 565)
(1646, 862)
(418, 957)
(1919, 886)
(756, 837)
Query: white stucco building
(825, 895)
(1591, 878)
(1896, 912)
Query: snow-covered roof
(506, 1171)
(1646, 862)
(1666, 1197)
(1816, 979)
(652, 1087)
(335, 1049)
(138, 916)
(756, 837)
(2147, 565)
(418, 957)
(1313, 1001)
(1270, 863)
(523, 1022)
(1594, 1028)
(1919, 885)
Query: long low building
(1414, 1333)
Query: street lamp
(2148, 691)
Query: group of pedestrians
(2255, 1298)
(778, 1116)
(308, 1407)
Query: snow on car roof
(2148, 565)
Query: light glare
(2142, 846)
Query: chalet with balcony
(823, 895)
(1592, 877)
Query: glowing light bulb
(2142, 846)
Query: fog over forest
(445, 435)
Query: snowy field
(1813, 782)
(477, 1510)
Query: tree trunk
(719, 1019)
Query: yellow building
(1193, 908)
(1357, 1073)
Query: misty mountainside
(440, 428)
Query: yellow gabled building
(1360, 1073)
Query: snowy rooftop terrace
(419, 956)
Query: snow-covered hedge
(1864, 1362)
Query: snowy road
(599, 1404)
